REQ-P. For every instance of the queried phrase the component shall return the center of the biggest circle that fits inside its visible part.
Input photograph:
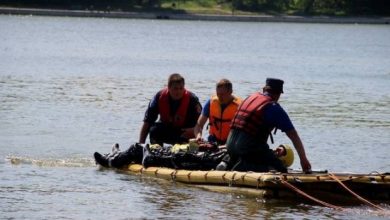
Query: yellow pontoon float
(322, 186)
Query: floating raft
(322, 185)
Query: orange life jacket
(249, 116)
(178, 119)
(220, 120)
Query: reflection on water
(71, 86)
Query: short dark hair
(226, 84)
(175, 78)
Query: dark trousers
(160, 133)
(163, 157)
(248, 154)
(134, 154)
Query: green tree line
(335, 7)
(304, 7)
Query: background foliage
(302, 7)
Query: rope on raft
(309, 196)
(282, 179)
(296, 190)
(331, 175)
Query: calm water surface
(73, 86)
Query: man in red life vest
(178, 109)
(256, 117)
(219, 110)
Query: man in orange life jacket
(256, 117)
(219, 110)
(179, 110)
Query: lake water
(73, 86)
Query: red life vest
(249, 116)
(178, 119)
(220, 120)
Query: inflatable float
(321, 186)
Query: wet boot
(101, 160)
(132, 155)
(222, 166)
(225, 163)
(105, 160)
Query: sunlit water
(73, 86)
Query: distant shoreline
(204, 17)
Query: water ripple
(51, 162)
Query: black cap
(275, 84)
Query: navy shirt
(192, 115)
(275, 116)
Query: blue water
(73, 86)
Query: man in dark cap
(256, 117)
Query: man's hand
(199, 138)
(306, 166)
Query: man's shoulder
(274, 108)
(158, 93)
(194, 99)
(275, 115)
(192, 95)
(194, 102)
(154, 101)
